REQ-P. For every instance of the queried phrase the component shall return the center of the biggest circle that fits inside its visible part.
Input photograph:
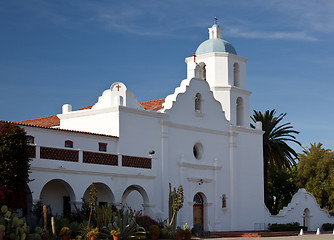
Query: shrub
(327, 227)
(154, 229)
(287, 227)
(146, 222)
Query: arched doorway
(198, 212)
(58, 194)
(104, 194)
(306, 218)
(135, 197)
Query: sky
(70, 51)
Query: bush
(14, 165)
(146, 222)
(327, 227)
(287, 227)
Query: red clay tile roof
(42, 122)
(88, 107)
(52, 121)
(58, 129)
(154, 105)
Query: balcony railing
(87, 157)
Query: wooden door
(198, 214)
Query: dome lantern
(215, 43)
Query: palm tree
(276, 152)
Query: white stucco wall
(294, 212)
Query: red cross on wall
(194, 55)
(118, 87)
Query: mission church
(198, 137)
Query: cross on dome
(215, 32)
(118, 87)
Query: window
(102, 147)
(240, 111)
(236, 75)
(198, 99)
(68, 144)
(224, 201)
(198, 150)
(30, 139)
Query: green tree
(276, 151)
(14, 163)
(316, 174)
(281, 188)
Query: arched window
(198, 99)
(236, 80)
(68, 144)
(198, 199)
(203, 67)
(240, 111)
(30, 139)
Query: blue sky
(70, 51)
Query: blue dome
(215, 45)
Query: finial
(215, 20)
(194, 55)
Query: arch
(198, 102)
(240, 111)
(104, 194)
(203, 67)
(59, 195)
(135, 197)
(236, 75)
(307, 218)
(199, 212)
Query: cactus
(36, 235)
(14, 227)
(103, 216)
(175, 204)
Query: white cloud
(270, 35)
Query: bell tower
(225, 72)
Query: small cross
(118, 87)
(194, 55)
(215, 20)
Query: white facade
(201, 138)
(303, 209)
